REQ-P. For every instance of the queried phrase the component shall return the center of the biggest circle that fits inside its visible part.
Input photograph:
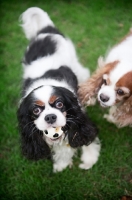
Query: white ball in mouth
(53, 132)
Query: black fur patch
(40, 48)
(62, 73)
(50, 29)
(32, 143)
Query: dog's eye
(59, 104)
(120, 92)
(37, 111)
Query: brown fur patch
(52, 99)
(109, 67)
(125, 81)
(123, 114)
(108, 81)
(39, 103)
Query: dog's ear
(122, 116)
(79, 128)
(32, 142)
(82, 131)
(88, 90)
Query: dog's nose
(51, 118)
(104, 98)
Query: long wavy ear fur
(32, 144)
(89, 89)
(80, 129)
(123, 115)
(82, 132)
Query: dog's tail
(33, 20)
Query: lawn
(94, 26)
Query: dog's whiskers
(32, 131)
(74, 136)
(28, 124)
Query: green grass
(94, 26)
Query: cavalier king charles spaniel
(111, 84)
(51, 121)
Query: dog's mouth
(107, 106)
(103, 105)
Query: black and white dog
(49, 98)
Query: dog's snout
(104, 98)
(51, 118)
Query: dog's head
(116, 86)
(110, 84)
(46, 107)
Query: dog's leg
(90, 154)
(62, 157)
(110, 116)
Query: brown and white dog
(111, 84)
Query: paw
(90, 154)
(57, 168)
(109, 118)
(106, 116)
(85, 166)
(61, 166)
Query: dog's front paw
(57, 168)
(109, 118)
(90, 154)
(60, 167)
(85, 166)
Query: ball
(53, 133)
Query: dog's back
(49, 49)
